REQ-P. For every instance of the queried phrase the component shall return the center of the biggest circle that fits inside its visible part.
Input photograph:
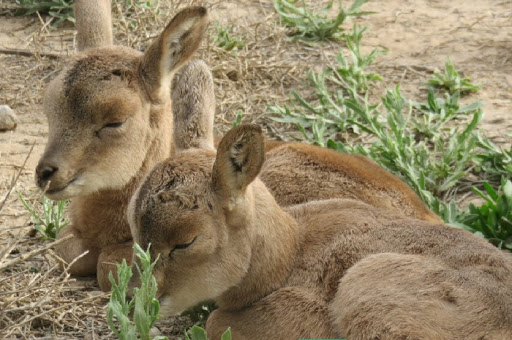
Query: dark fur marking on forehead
(173, 179)
(83, 78)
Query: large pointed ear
(193, 107)
(173, 47)
(240, 156)
(93, 21)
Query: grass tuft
(52, 220)
(61, 10)
(225, 38)
(313, 26)
(493, 219)
(451, 81)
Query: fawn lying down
(324, 269)
(111, 120)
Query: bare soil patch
(38, 299)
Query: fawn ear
(193, 107)
(93, 21)
(240, 156)
(173, 47)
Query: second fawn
(324, 269)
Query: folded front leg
(74, 247)
(109, 257)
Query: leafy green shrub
(316, 26)
(431, 145)
(451, 81)
(493, 219)
(494, 161)
(145, 307)
(329, 116)
(354, 74)
(62, 10)
(197, 333)
(430, 163)
(53, 218)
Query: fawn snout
(45, 170)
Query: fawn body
(324, 269)
(113, 115)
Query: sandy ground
(419, 34)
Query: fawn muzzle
(44, 173)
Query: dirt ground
(38, 300)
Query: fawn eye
(184, 245)
(113, 125)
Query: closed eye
(184, 245)
(113, 125)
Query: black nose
(45, 173)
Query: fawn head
(195, 210)
(109, 107)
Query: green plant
(328, 116)
(53, 219)
(311, 26)
(451, 81)
(146, 308)
(493, 219)
(62, 10)
(431, 164)
(354, 74)
(238, 119)
(226, 40)
(494, 161)
(197, 333)
(432, 145)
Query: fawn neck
(112, 203)
(275, 238)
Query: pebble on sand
(8, 120)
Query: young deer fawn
(112, 116)
(324, 269)
(110, 122)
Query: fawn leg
(74, 247)
(288, 313)
(108, 258)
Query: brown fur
(100, 166)
(110, 122)
(297, 173)
(93, 23)
(324, 269)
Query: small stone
(153, 332)
(8, 119)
